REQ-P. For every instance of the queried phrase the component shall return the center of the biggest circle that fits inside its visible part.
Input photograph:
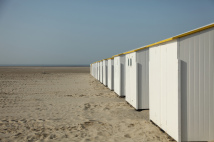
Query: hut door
(131, 84)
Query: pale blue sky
(84, 31)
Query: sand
(67, 104)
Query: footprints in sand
(127, 136)
(25, 129)
(40, 129)
(102, 106)
(91, 107)
(92, 130)
(20, 121)
(87, 106)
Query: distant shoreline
(44, 65)
(43, 69)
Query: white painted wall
(101, 71)
(94, 65)
(111, 74)
(98, 71)
(131, 79)
(164, 96)
(196, 53)
(143, 78)
(92, 70)
(117, 75)
(105, 72)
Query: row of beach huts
(173, 78)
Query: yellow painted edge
(193, 31)
(140, 48)
(117, 55)
(159, 42)
(129, 52)
(175, 37)
(166, 40)
(110, 58)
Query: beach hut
(98, 70)
(137, 78)
(142, 58)
(181, 82)
(105, 72)
(95, 70)
(111, 73)
(92, 69)
(119, 74)
(101, 71)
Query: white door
(131, 80)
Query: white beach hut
(111, 73)
(92, 69)
(119, 74)
(95, 70)
(97, 73)
(105, 72)
(98, 70)
(101, 71)
(181, 82)
(137, 78)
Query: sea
(41, 65)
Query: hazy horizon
(42, 65)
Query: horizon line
(43, 65)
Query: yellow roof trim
(175, 37)
(159, 42)
(129, 52)
(110, 58)
(165, 40)
(156, 43)
(117, 55)
(194, 31)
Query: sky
(80, 32)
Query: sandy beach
(67, 104)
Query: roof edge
(174, 37)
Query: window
(128, 61)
